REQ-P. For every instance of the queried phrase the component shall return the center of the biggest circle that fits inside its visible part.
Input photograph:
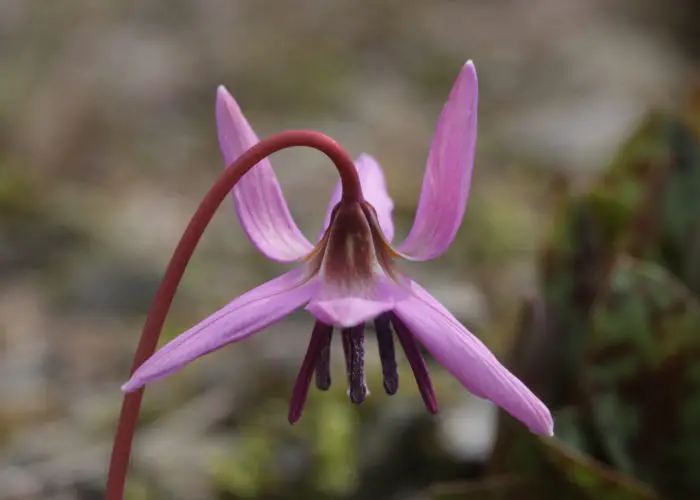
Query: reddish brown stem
(352, 192)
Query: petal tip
(222, 91)
(130, 386)
(544, 423)
(550, 428)
(468, 73)
(365, 157)
(548, 433)
(224, 100)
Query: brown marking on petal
(377, 233)
(315, 257)
(353, 249)
(349, 253)
(320, 247)
(384, 253)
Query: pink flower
(348, 278)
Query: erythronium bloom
(348, 278)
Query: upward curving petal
(248, 314)
(375, 192)
(448, 173)
(258, 198)
(470, 361)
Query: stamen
(323, 362)
(387, 355)
(354, 348)
(415, 359)
(301, 385)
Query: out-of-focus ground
(108, 141)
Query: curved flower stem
(131, 404)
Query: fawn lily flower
(348, 278)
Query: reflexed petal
(258, 197)
(470, 361)
(248, 314)
(448, 173)
(374, 191)
(349, 307)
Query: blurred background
(108, 142)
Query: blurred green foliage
(612, 340)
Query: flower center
(353, 255)
(353, 250)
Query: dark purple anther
(323, 362)
(415, 359)
(387, 355)
(354, 348)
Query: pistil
(354, 349)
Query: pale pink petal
(258, 198)
(248, 314)
(470, 361)
(374, 191)
(344, 308)
(448, 173)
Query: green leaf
(643, 377)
